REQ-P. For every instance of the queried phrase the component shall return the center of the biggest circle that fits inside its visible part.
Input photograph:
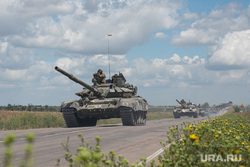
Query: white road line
(151, 157)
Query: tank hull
(185, 112)
(132, 111)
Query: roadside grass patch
(13, 120)
(220, 141)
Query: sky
(183, 49)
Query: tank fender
(75, 105)
(68, 104)
(138, 104)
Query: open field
(12, 120)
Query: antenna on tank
(109, 35)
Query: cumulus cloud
(83, 26)
(209, 28)
(231, 52)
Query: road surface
(133, 142)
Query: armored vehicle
(116, 99)
(187, 109)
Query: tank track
(132, 118)
(73, 120)
(70, 117)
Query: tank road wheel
(72, 120)
(195, 115)
(176, 115)
(70, 117)
(130, 117)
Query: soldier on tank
(99, 77)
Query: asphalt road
(133, 142)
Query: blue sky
(191, 49)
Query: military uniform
(99, 77)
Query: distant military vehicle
(187, 109)
(103, 101)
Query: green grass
(13, 120)
(225, 139)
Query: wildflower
(196, 141)
(236, 151)
(243, 143)
(159, 164)
(205, 143)
(171, 129)
(196, 129)
(226, 123)
(216, 135)
(193, 136)
(222, 151)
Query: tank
(187, 109)
(114, 99)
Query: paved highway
(133, 142)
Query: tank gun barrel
(73, 78)
(178, 101)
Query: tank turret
(73, 78)
(103, 101)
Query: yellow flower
(222, 151)
(171, 128)
(159, 164)
(236, 151)
(216, 135)
(196, 141)
(226, 123)
(193, 136)
(213, 119)
(205, 143)
(243, 143)
(196, 129)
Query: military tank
(186, 109)
(116, 99)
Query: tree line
(30, 107)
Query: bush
(236, 109)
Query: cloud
(207, 29)
(82, 27)
(231, 52)
(160, 35)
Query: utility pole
(109, 35)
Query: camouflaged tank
(187, 109)
(116, 99)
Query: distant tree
(236, 109)
(205, 105)
(9, 107)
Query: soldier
(99, 77)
